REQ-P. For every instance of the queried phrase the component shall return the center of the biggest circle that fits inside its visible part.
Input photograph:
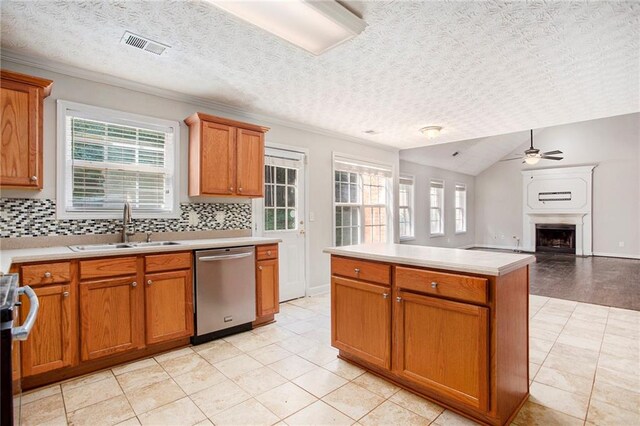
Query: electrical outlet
(220, 217)
(621, 244)
(502, 236)
(194, 218)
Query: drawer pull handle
(134, 284)
(398, 299)
(149, 282)
(357, 270)
(434, 284)
(47, 274)
(65, 294)
(385, 295)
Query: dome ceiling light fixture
(431, 132)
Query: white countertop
(470, 261)
(7, 257)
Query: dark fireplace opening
(557, 238)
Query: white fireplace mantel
(558, 196)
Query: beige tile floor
(584, 368)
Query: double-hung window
(436, 207)
(405, 208)
(362, 202)
(107, 158)
(461, 208)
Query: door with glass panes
(281, 215)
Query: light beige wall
(320, 148)
(613, 144)
(422, 175)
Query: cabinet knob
(385, 295)
(398, 299)
(149, 282)
(134, 284)
(268, 252)
(356, 270)
(65, 294)
(231, 188)
(34, 178)
(240, 189)
(47, 274)
(434, 284)
(259, 268)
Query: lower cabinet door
(52, 343)
(111, 317)
(443, 346)
(361, 320)
(169, 305)
(267, 295)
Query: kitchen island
(448, 324)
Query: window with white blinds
(112, 157)
(362, 201)
(461, 208)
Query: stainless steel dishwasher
(225, 288)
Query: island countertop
(460, 260)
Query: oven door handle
(224, 257)
(22, 332)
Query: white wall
(613, 144)
(320, 148)
(422, 175)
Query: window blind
(113, 163)
(361, 167)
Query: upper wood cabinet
(21, 99)
(226, 157)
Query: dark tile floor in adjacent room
(608, 281)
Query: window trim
(442, 209)
(64, 173)
(389, 194)
(455, 208)
(412, 208)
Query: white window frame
(64, 173)
(441, 208)
(389, 205)
(411, 207)
(463, 208)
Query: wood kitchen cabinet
(443, 345)
(267, 283)
(21, 101)
(226, 157)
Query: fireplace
(557, 238)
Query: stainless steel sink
(120, 246)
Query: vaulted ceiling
(476, 68)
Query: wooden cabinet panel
(361, 270)
(361, 320)
(169, 305)
(111, 316)
(21, 123)
(267, 252)
(108, 267)
(267, 288)
(250, 164)
(167, 262)
(217, 160)
(52, 343)
(443, 346)
(455, 286)
(46, 273)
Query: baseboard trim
(318, 290)
(495, 246)
(620, 255)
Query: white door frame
(307, 229)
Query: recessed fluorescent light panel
(315, 26)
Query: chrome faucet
(126, 221)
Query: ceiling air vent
(143, 43)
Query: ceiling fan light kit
(533, 156)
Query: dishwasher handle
(22, 332)
(224, 257)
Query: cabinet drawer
(462, 287)
(167, 262)
(267, 252)
(107, 267)
(46, 273)
(361, 270)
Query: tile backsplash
(29, 217)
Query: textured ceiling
(476, 68)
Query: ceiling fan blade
(552, 152)
(511, 159)
(545, 157)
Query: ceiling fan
(533, 155)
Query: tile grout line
(593, 384)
